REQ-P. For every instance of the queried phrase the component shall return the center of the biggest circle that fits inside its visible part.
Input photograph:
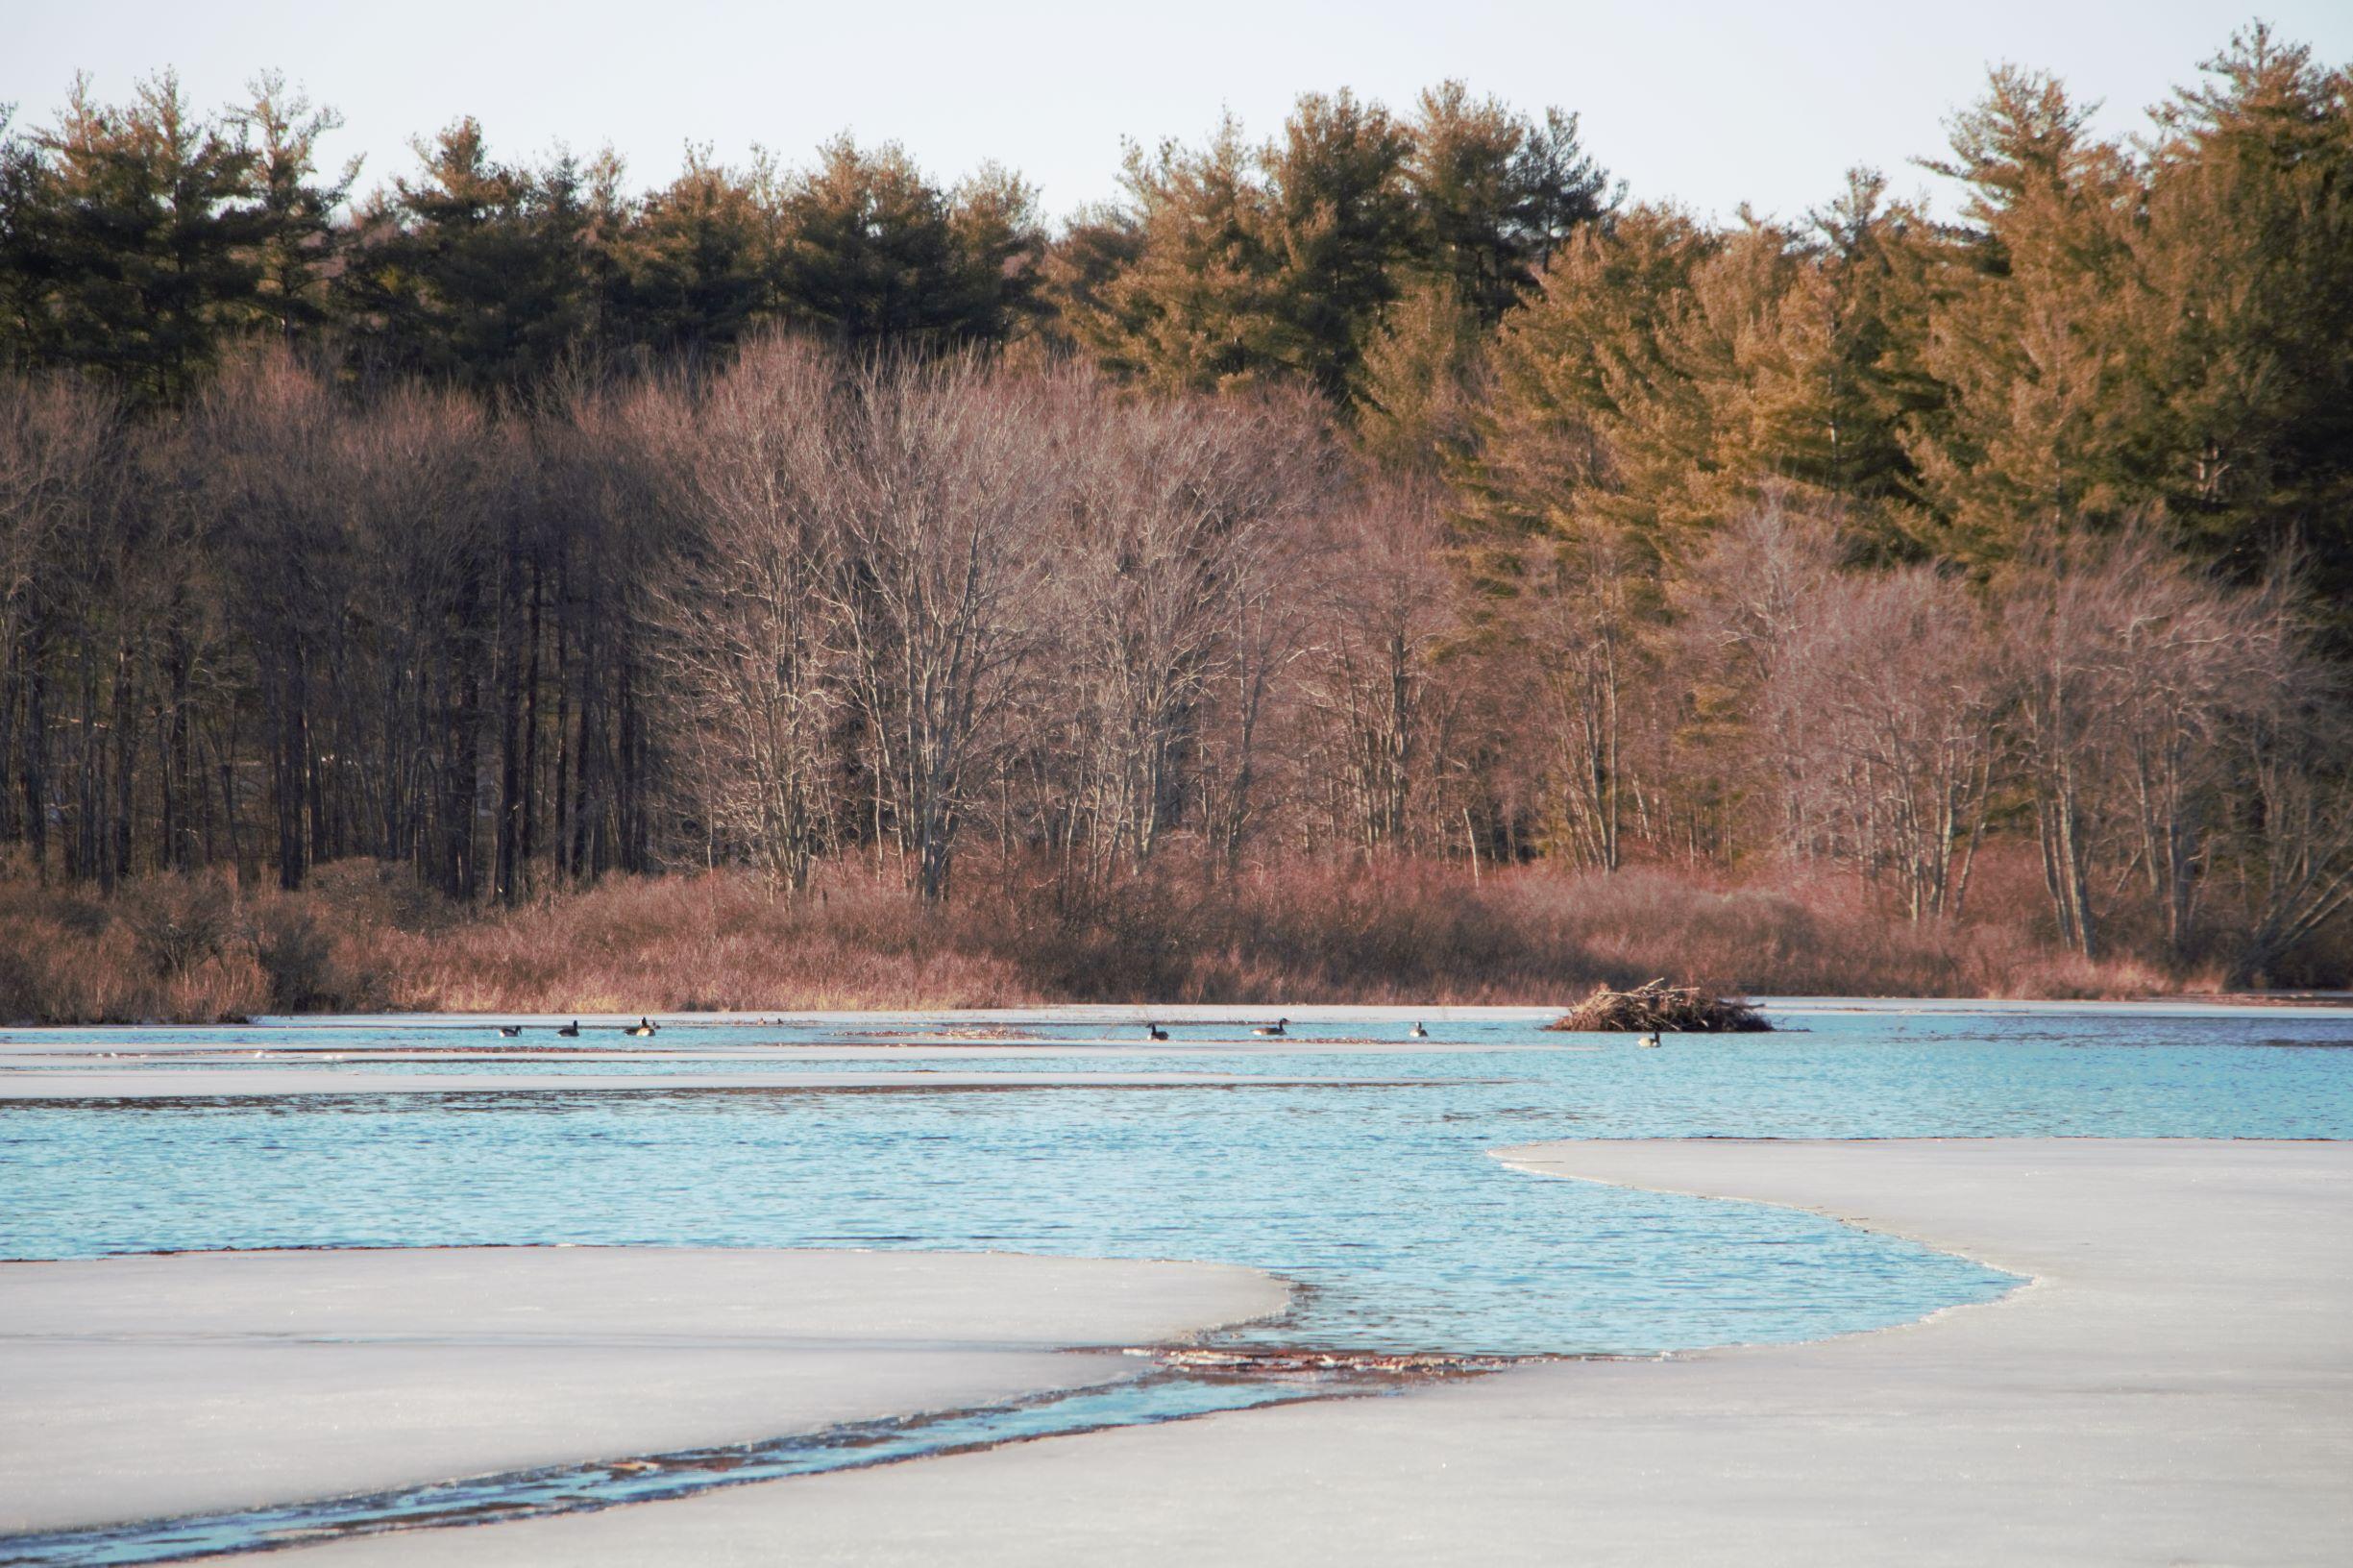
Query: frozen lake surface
(1349, 1157)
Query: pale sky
(1710, 102)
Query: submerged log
(1659, 1008)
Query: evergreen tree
(2042, 406)
(28, 253)
(692, 266)
(870, 251)
(150, 237)
(2245, 309)
(1421, 381)
(1496, 193)
(1667, 378)
(993, 216)
(1099, 243)
(298, 234)
(1831, 378)
(1588, 400)
(1200, 306)
(473, 272)
(1230, 265)
(1338, 219)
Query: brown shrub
(228, 988)
(180, 922)
(309, 968)
(361, 937)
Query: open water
(1349, 1159)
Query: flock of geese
(644, 1028)
(1279, 1029)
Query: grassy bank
(360, 937)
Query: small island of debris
(1659, 1008)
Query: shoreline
(2303, 1004)
(152, 1385)
(69, 1086)
(2112, 1411)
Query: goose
(1648, 1041)
(1271, 1029)
(644, 1029)
(572, 1030)
(508, 1031)
(1155, 1030)
(1417, 1032)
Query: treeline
(1395, 486)
(140, 241)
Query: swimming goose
(644, 1029)
(1155, 1030)
(572, 1030)
(508, 1031)
(1648, 1041)
(1271, 1029)
(1418, 1032)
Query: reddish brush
(1401, 930)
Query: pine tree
(2042, 404)
(1831, 381)
(2246, 309)
(1421, 381)
(692, 265)
(1201, 306)
(1230, 265)
(1589, 410)
(1496, 194)
(298, 231)
(475, 272)
(150, 238)
(872, 252)
(993, 215)
(1099, 243)
(28, 258)
(1338, 220)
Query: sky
(1711, 103)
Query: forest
(1388, 559)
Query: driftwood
(1659, 1008)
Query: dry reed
(361, 937)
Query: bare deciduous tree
(1161, 605)
(2294, 741)
(940, 486)
(1385, 604)
(1580, 623)
(54, 437)
(2129, 668)
(752, 657)
(1901, 678)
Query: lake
(1347, 1157)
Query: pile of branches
(1659, 1008)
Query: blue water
(1361, 1175)
(1378, 1199)
(581, 1488)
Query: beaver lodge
(1659, 1008)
